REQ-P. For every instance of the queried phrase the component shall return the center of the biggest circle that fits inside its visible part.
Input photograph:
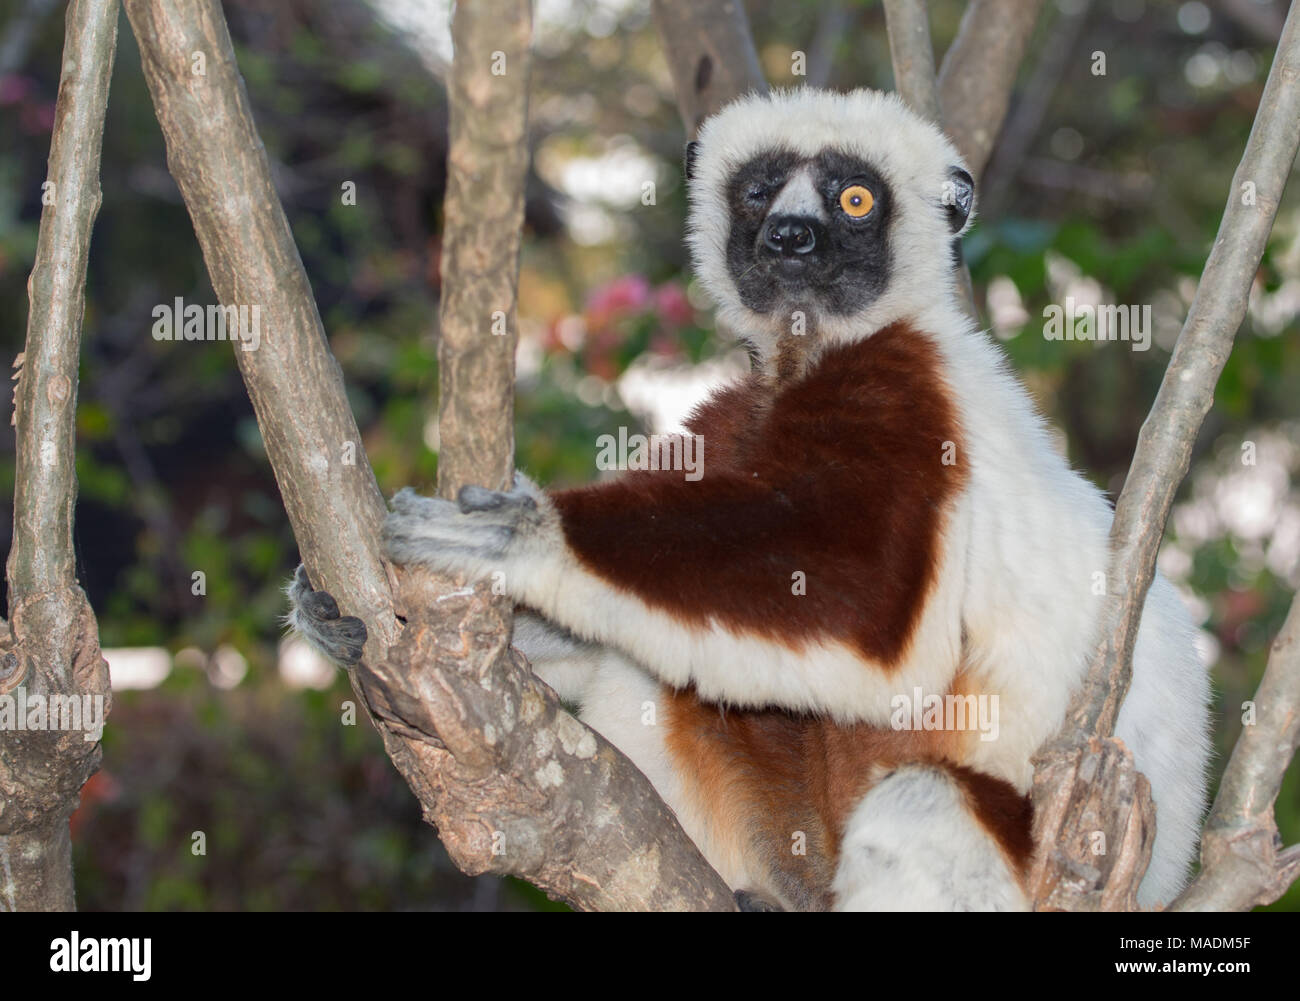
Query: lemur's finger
(320, 605)
(350, 631)
(473, 499)
(480, 499)
(443, 544)
(407, 501)
(342, 640)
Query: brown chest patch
(841, 479)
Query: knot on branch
(51, 716)
(1094, 823)
(489, 746)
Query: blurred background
(1105, 189)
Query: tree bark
(220, 165)
(711, 53)
(910, 50)
(483, 213)
(1243, 864)
(979, 71)
(912, 54)
(1164, 453)
(50, 649)
(514, 784)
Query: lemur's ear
(958, 197)
(692, 152)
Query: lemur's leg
(694, 581)
(559, 658)
(934, 838)
(315, 615)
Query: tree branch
(50, 651)
(908, 25)
(483, 212)
(711, 54)
(1162, 458)
(1243, 864)
(220, 166)
(1164, 448)
(1052, 58)
(979, 71)
(514, 784)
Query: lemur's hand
(315, 615)
(474, 535)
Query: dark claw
(746, 901)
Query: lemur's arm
(756, 589)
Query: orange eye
(856, 200)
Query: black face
(838, 263)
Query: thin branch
(711, 54)
(908, 25)
(487, 163)
(53, 651)
(220, 166)
(1159, 465)
(1164, 447)
(514, 784)
(832, 22)
(979, 71)
(1026, 119)
(1242, 861)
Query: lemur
(882, 456)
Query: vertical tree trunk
(483, 214)
(51, 649)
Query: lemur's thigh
(565, 662)
(914, 843)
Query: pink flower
(37, 119)
(13, 88)
(673, 307)
(622, 296)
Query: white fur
(1038, 530)
(734, 667)
(912, 155)
(799, 197)
(913, 845)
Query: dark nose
(789, 234)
